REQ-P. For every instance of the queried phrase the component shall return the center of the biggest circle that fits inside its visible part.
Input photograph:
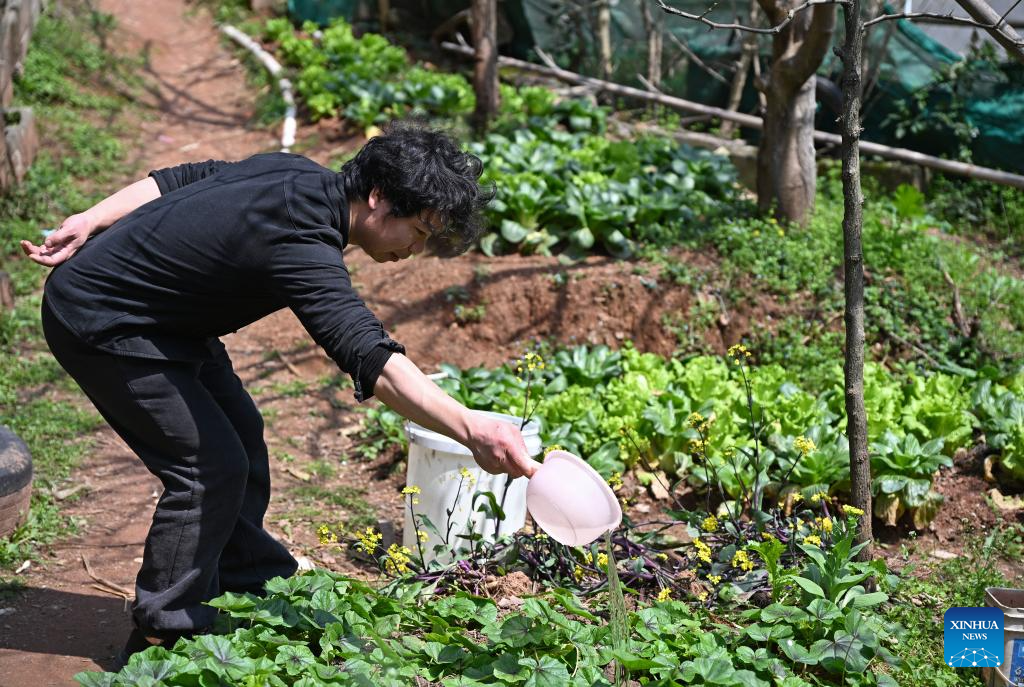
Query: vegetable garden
(736, 562)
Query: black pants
(195, 428)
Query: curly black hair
(416, 169)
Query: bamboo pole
(901, 154)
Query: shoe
(138, 641)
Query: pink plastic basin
(570, 501)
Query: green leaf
(809, 587)
(582, 238)
(545, 672)
(513, 232)
(777, 612)
(797, 652)
(824, 611)
(507, 668)
(717, 671)
(869, 600)
(488, 245)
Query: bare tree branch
(987, 19)
(772, 30)
(1007, 13)
(938, 18)
(696, 58)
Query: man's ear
(373, 200)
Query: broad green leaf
(869, 600)
(545, 671)
(809, 586)
(513, 232)
(777, 612)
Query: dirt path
(197, 107)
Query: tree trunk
(739, 79)
(485, 71)
(785, 161)
(653, 29)
(604, 34)
(853, 262)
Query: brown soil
(67, 620)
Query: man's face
(387, 238)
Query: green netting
(910, 61)
(321, 11)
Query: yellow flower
(412, 490)
(541, 535)
(767, 536)
(602, 559)
(552, 447)
(853, 510)
(577, 573)
(803, 445)
(797, 497)
(812, 539)
(702, 595)
(615, 481)
(710, 524)
(588, 557)
(695, 419)
(661, 556)
(714, 579)
(742, 561)
(468, 476)
(396, 561)
(817, 496)
(326, 536)
(703, 550)
(367, 540)
(665, 594)
(826, 525)
(422, 534)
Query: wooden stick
(901, 154)
(958, 310)
(288, 363)
(111, 587)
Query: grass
(923, 595)
(66, 82)
(909, 303)
(310, 500)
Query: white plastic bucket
(1011, 672)
(435, 462)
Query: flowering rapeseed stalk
(742, 561)
(665, 594)
(396, 561)
(367, 540)
(803, 445)
(326, 535)
(412, 492)
(710, 524)
(703, 550)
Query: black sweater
(226, 244)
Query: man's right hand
(498, 447)
(63, 243)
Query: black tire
(15, 481)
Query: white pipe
(274, 67)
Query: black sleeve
(172, 178)
(311, 278)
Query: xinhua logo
(973, 637)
